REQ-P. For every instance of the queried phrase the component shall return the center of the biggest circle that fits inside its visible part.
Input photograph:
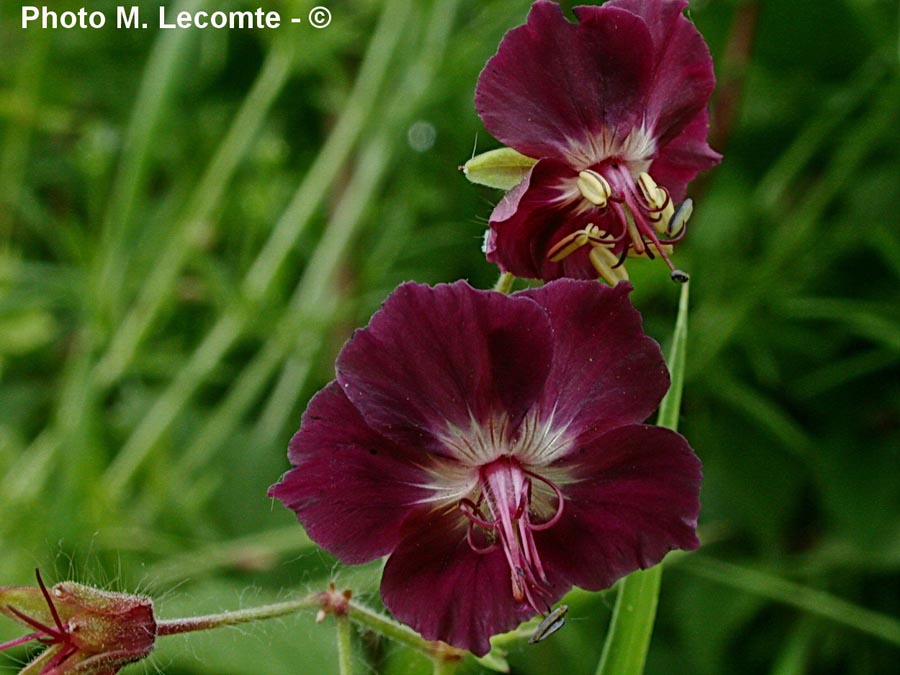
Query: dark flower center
(510, 522)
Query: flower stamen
(560, 503)
(636, 240)
(678, 222)
(660, 204)
(646, 214)
(473, 514)
(594, 187)
(607, 265)
(571, 243)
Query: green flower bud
(503, 168)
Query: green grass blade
(157, 84)
(811, 600)
(628, 640)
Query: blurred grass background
(192, 222)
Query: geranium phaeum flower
(614, 109)
(493, 445)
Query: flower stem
(444, 666)
(504, 283)
(388, 627)
(631, 627)
(345, 610)
(345, 648)
(187, 625)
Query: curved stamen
(622, 256)
(475, 517)
(659, 206)
(653, 209)
(591, 234)
(675, 239)
(475, 547)
(559, 507)
(473, 513)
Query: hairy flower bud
(89, 631)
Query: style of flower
(493, 446)
(613, 108)
(88, 631)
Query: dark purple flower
(614, 109)
(493, 445)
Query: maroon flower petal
(687, 155)
(437, 584)
(683, 78)
(445, 355)
(554, 86)
(635, 497)
(606, 373)
(351, 487)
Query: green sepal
(494, 660)
(503, 168)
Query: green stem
(671, 404)
(631, 627)
(209, 621)
(387, 627)
(444, 656)
(505, 282)
(339, 604)
(345, 647)
(445, 666)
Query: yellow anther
(651, 191)
(661, 207)
(636, 239)
(571, 243)
(594, 187)
(605, 261)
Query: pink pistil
(507, 492)
(644, 239)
